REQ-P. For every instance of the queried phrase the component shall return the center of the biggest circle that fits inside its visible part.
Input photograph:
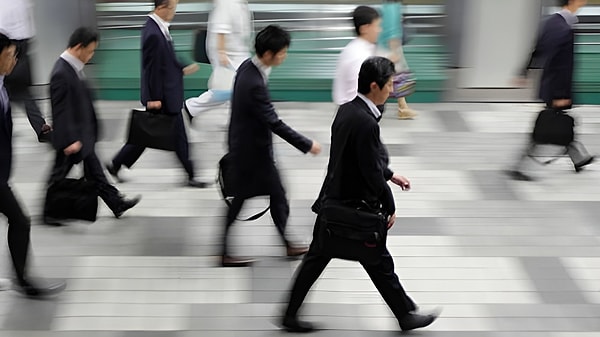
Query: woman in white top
(227, 45)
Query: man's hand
(224, 59)
(73, 148)
(190, 69)
(391, 220)
(315, 148)
(401, 181)
(154, 105)
(561, 103)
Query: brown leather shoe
(229, 261)
(296, 250)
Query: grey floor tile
(453, 121)
(492, 185)
(26, 314)
(543, 272)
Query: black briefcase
(352, 230)
(554, 126)
(226, 180)
(71, 199)
(153, 129)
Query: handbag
(404, 84)
(553, 126)
(71, 199)
(352, 230)
(226, 181)
(150, 128)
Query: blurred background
(460, 50)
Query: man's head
(83, 43)
(375, 79)
(271, 45)
(165, 9)
(572, 5)
(8, 55)
(367, 23)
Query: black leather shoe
(187, 112)
(518, 175)
(293, 324)
(45, 135)
(579, 166)
(125, 205)
(114, 172)
(39, 289)
(228, 261)
(415, 321)
(197, 184)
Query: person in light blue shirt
(390, 39)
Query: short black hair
(364, 15)
(272, 38)
(5, 42)
(158, 3)
(563, 3)
(83, 36)
(375, 69)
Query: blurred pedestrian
(391, 39)
(555, 47)
(227, 45)
(161, 88)
(17, 22)
(250, 139)
(19, 225)
(76, 123)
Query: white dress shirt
(16, 19)
(345, 82)
(74, 62)
(264, 70)
(374, 110)
(163, 25)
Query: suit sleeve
(65, 127)
(153, 55)
(266, 113)
(371, 164)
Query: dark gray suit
(357, 170)
(250, 140)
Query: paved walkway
(504, 258)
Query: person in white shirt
(227, 46)
(367, 24)
(17, 22)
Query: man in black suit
(161, 87)
(358, 170)
(250, 140)
(555, 49)
(18, 223)
(75, 122)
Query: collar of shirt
(162, 24)
(371, 106)
(265, 70)
(569, 16)
(74, 62)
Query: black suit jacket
(73, 113)
(253, 121)
(5, 145)
(554, 48)
(162, 74)
(358, 160)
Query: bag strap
(229, 199)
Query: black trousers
(18, 86)
(92, 171)
(382, 275)
(19, 227)
(130, 153)
(279, 208)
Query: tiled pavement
(503, 258)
